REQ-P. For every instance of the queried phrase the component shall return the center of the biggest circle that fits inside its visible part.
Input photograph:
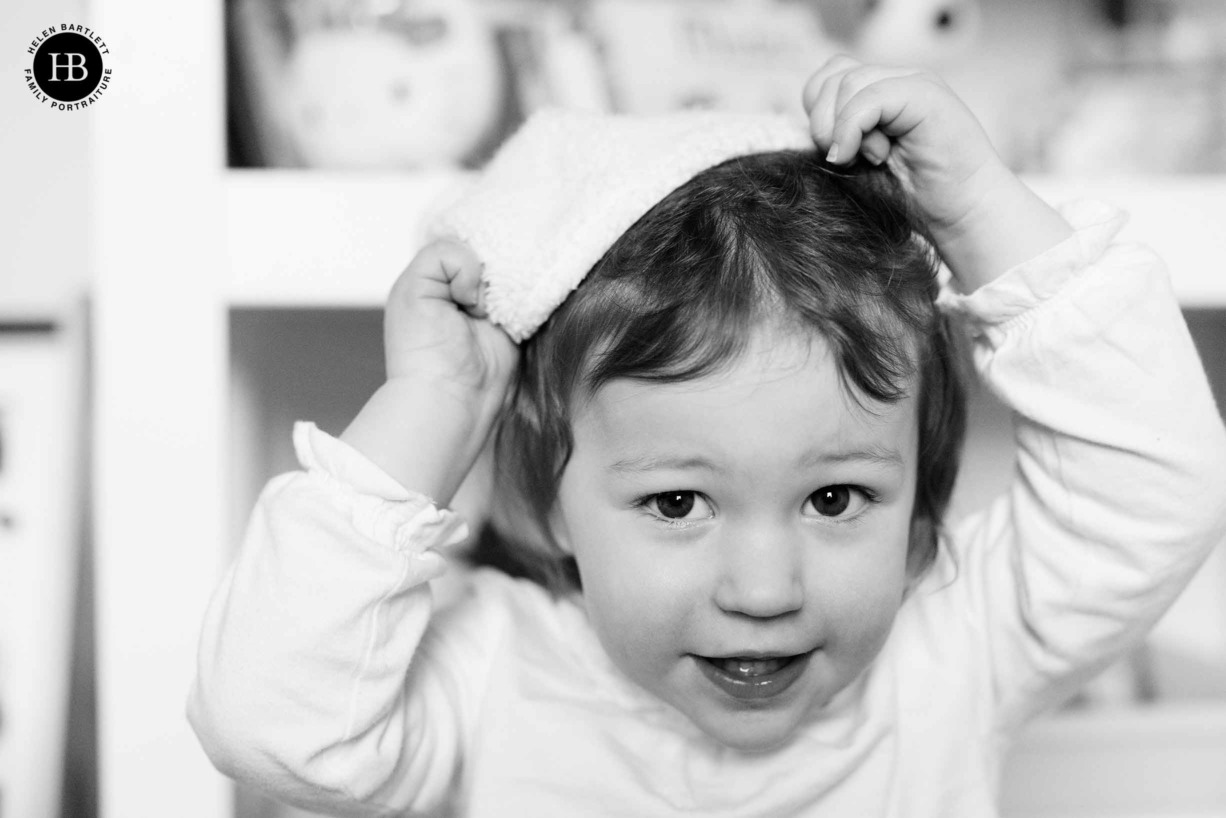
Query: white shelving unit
(1161, 762)
(41, 489)
(1179, 216)
(159, 396)
(180, 242)
(299, 239)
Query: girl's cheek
(870, 615)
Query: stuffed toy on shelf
(754, 55)
(902, 32)
(402, 84)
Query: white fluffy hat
(567, 185)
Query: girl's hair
(776, 237)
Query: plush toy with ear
(416, 88)
(901, 32)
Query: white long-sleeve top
(326, 677)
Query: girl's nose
(760, 574)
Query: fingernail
(833, 155)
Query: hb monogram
(74, 63)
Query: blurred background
(199, 258)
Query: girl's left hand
(963, 190)
(911, 119)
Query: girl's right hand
(435, 324)
(448, 372)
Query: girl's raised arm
(448, 370)
(319, 677)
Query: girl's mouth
(751, 678)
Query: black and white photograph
(613, 408)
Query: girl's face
(742, 538)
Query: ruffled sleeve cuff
(1033, 282)
(380, 508)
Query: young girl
(722, 467)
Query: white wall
(44, 254)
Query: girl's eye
(835, 501)
(678, 506)
(675, 504)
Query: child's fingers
(893, 105)
(875, 146)
(829, 95)
(463, 270)
(870, 117)
(833, 67)
(859, 77)
(821, 95)
(448, 270)
(845, 79)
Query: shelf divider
(320, 239)
(299, 238)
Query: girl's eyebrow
(631, 465)
(873, 454)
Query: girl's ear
(558, 531)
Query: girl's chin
(753, 743)
(751, 733)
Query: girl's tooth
(751, 668)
